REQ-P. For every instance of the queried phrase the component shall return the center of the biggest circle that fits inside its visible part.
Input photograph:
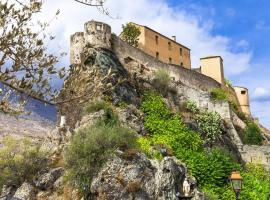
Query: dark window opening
(169, 46)
(181, 64)
(157, 55)
(181, 52)
(156, 39)
(243, 92)
(170, 60)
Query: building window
(181, 64)
(243, 92)
(170, 60)
(156, 39)
(157, 55)
(99, 27)
(169, 46)
(181, 52)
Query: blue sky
(247, 24)
(236, 30)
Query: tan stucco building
(163, 48)
(243, 98)
(212, 66)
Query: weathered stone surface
(132, 117)
(141, 178)
(46, 178)
(25, 192)
(7, 192)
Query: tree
(131, 34)
(25, 66)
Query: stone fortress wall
(196, 85)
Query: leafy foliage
(25, 67)
(211, 168)
(218, 94)
(209, 123)
(91, 147)
(20, 160)
(252, 134)
(130, 34)
(228, 82)
(162, 78)
(256, 183)
(167, 128)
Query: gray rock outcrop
(140, 178)
(46, 178)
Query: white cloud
(188, 28)
(261, 94)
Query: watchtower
(212, 66)
(243, 98)
(97, 34)
(77, 43)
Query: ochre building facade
(163, 48)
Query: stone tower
(243, 98)
(96, 34)
(212, 66)
(76, 47)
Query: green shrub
(192, 106)
(166, 128)
(211, 167)
(209, 123)
(256, 184)
(228, 82)
(20, 160)
(252, 134)
(91, 147)
(162, 80)
(218, 94)
(96, 106)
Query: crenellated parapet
(96, 34)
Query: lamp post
(237, 182)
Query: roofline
(211, 57)
(162, 35)
(240, 87)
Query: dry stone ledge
(143, 179)
(46, 178)
(25, 192)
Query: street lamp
(237, 182)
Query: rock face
(136, 177)
(25, 192)
(46, 178)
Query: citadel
(156, 51)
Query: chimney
(174, 38)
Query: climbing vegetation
(211, 167)
(209, 123)
(252, 134)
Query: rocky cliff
(120, 76)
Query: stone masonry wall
(257, 154)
